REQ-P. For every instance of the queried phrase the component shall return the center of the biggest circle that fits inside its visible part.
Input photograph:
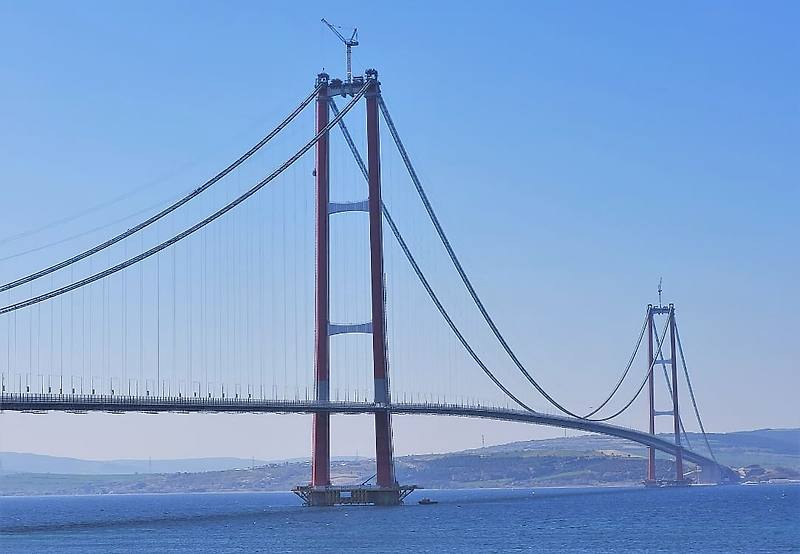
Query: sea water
(696, 519)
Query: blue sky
(576, 152)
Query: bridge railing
(66, 400)
(36, 402)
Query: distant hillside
(574, 461)
(767, 447)
(440, 471)
(13, 462)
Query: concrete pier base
(353, 495)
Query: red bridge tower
(386, 491)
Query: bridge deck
(120, 404)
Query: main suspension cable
(459, 268)
(84, 233)
(420, 275)
(443, 237)
(196, 226)
(684, 434)
(624, 373)
(669, 389)
(644, 381)
(166, 211)
(691, 393)
(97, 207)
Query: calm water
(701, 519)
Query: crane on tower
(348, 42)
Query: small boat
(427, 501)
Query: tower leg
(676, 419)
(651, 452)
(383, 429)
(321, 453)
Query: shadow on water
(164, 520)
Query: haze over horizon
(658, 143)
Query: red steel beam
(321, 433)
(383, 425)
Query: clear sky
(575, 152)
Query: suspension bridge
(260, 292)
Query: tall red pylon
(321, 492)
(383, 423)
(674, 412)
(321, 442)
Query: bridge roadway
(36, 403)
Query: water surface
(699, 519)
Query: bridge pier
(358, 495)
(710, 475)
